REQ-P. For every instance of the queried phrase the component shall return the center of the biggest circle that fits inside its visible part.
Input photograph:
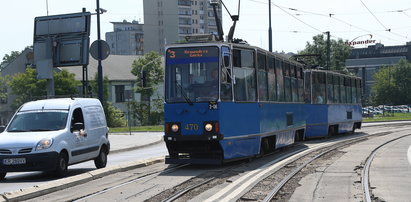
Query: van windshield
(38, 121)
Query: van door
(82, 146)
(96, 126)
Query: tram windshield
(192, 74)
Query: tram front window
(192, 74)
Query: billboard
(63, 39)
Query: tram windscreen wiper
(184, 94)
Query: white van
(50, 135)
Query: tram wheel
(332, 130)
(265, 146)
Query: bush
(115, 117)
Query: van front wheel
(62, 165)
(101, 160)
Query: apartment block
(169, 21)
(126, 39)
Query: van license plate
(14, 161)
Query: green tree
(393, 84)
(339, 52)
(9, 58)
(149, 72)
(149, 66)
(65, 83)
(26, 86)
(114, 116)
(4, 83)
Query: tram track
(242, 181)
(292, 173)
(235, 181)
(142, 177)
(365, 182)
(241, 186)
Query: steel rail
(366, 171)
(280, 185)
(192, 187)
(167, 170)
(181, 193)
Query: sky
(294, 23)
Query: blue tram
(334, 103)
(228, 101)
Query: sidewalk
(120, 142)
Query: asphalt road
(16, 181)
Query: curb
(378, 123)
(56, 185)
(136, 147)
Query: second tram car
(334, 104)
(228, 101)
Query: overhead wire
(289, 15)
(375, 16)
(331, 15)
(386, 29)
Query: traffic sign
(105, 50)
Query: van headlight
(44, 144)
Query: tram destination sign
(192, 52)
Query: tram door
(226, 75)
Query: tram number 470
(191, 126)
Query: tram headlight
(174, 128)
(208, 127)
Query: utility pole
(100, 67)
(328, 50)
(270, 32)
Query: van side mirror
(78, 126)
(2, 128)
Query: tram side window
(348, 89)
(262, 77)
(244, 71)
(300, 80)
(287, 82)
(336, 84)
(342, 90)
(307, 87)
(353, 90)
(359, 92)
(330, 90)
(292, 70)
(272, 96)
(280, 80)
(319, 87)
(294, 83)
